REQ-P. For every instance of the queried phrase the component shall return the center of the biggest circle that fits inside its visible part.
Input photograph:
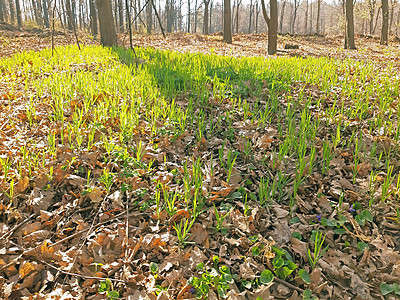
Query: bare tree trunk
(149, 18)
(318, 16)
(2, 10)
(385, 22)
(239, 2)
(188, 17)
(93, 17)
(376, 19)
(211, 8)
(18, 12)
(195, 16)
(257, 13)
(371, 9)
(311, 18)
(296, 6)
(121, 15)
(350, 26)
(69, 14)
(107, 25)
(227, 22)
(272, 22)
(282, 15)
(392, 6)
(250, 15)
(306, 16)
(46, 14)
(205, 20)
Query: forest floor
(206, 171)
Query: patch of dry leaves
(58, 241)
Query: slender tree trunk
(311, 18)
(205, 20)
(257, 13)
(188, 17)
(121, 15)
(318, 16)
(195, 17)
(35, 12)
(2, 10)
(392, 6)
(281, 17)
(149, 18)
(296, 6)
(46, 13)
(376, 19)
(227, 22)
(250, 15)
(385, 22)
(107, 25)
(350, 25)
(69, 14)
(211, 8)
(371, 10)
(306, 18)
(272, 22)
(18, 12)
(239, 2)
(93, 17)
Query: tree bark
(250, 15)
(306, 18)
(318, 15)
(93, 17)
(188, 17)
(385, 22)
(18, 12)
(2, 10)
(371, 9)
(106, 21)
(227, 22)
(46, 14)
(149, 18)
(281, 17)
(121, 15)
(205, 20)
(349, 42)
(237, 15)
(69, 14)
(296, 6)
(272, 23)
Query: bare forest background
(299, 17)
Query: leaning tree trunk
(227, 22)
(349, 43)
(272, 23)
(385, 22)
(106, 21)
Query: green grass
(149, 126)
